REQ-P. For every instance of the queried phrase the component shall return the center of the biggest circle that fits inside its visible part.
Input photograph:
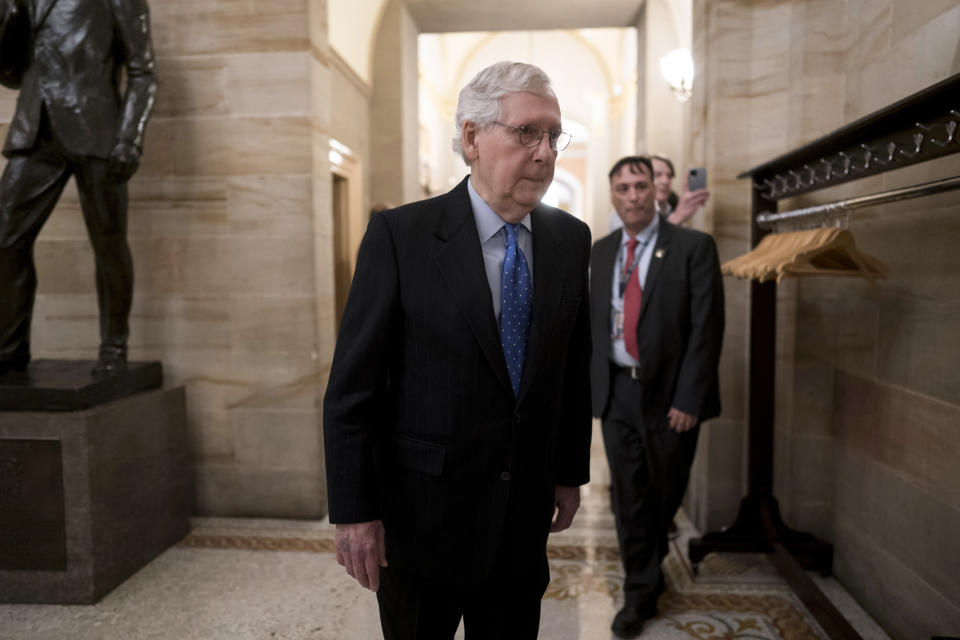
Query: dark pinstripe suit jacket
(420, 423)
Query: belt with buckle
(633, 372)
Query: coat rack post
(758, 524)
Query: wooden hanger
(823, 251)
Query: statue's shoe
(109, 364)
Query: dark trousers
(505, 606)
(649, 471)
(29, 189)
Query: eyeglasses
(530, 136)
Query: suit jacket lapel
(460, 261)
(549, 272)
(661, 252)
(604, 262)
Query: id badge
(616, 331)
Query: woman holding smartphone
(678, 210)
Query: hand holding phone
(693, 197)
(697, 179)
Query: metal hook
(829, 169)
(847, 163)
(874, 156)
(814, 179)
(867, 156)
(800, 183)
(918, 143)
(771, 187)
(891, 152)
(951, 129)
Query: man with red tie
(657, 318)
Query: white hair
(479, 101)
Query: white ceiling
(439, 16)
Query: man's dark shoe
(628, 623)
(109, 364)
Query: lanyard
(638, 252)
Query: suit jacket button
(504, 475)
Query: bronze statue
(77, 114)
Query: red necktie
(631, 303)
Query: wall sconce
(677, 70)
(337, 152)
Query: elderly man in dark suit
(657, 319)
(72, 119)
(457, 416)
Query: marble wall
(662, 128)
(394, 130)
(867, 400)
(350, 117)
(719, 140)
(229, 228)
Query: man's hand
(680, 421)
(567, 501)
(687, 205)
(361, 551)
(124, 161)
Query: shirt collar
(644, 236)
(488, 222)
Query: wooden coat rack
(918, 128)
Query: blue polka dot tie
(515, 296)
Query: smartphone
(697, 179)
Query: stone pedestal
(89, 497)
(68, 385)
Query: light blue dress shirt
(618, 349)
(493, 243)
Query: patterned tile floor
(278, 580)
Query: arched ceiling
(439, 16)
(589, 68)
(353, 23)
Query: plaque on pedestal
(32, 528)
(88, 496)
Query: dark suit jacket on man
(78, 49)
(680, 330)
(421, 426)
